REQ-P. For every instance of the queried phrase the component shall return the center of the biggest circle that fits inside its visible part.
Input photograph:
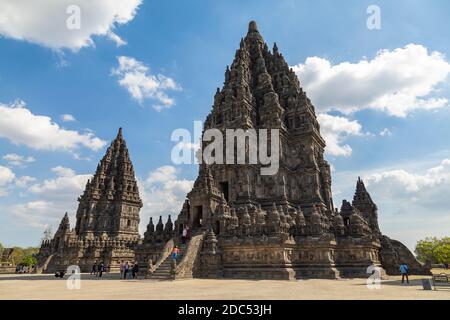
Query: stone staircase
(164, 271)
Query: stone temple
(243, 224)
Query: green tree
(28, 261)
(433, 250)
(19, 253)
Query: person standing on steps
(174, 253)
(404, 271)
(184, 235)
(188, 233)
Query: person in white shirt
(184, 235)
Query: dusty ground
(110, 287)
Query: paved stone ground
(111, 287)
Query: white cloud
(6, 176)
(63, 171)
(67, 185)
(38, 214)
(68, 118)
(385, 132)
(9, 180)
(44, 22)
(20, 126)
(24, 181)
(334, 130)
(397, 82)
(54, 196)
(141, 84)
(402, 183)
(162, 193)
(18, 160)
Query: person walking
(404, 271)
(184, 235)
(94, 269)
(135, 270)
(101, 269)
(175, 252)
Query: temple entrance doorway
(198, 217)
(224, 188)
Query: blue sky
(183, 48)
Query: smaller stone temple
(7, 263)
(107, 218)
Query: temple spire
(113, 185)
(252, 27)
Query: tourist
(404, 271)
(184, 235)
(122, 269)
(175, 252)
(135, 270)
(125, 270)
(94, 269)
(101, 269)
(188, 233)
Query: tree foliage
(433, 250)
(28, 261)
(19, 254)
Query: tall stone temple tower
(242, 224)
(110, 204)
(107, 219)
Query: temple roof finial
(252, 27)
(119, 134)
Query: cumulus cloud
(6, 176)
(15, 159)
(9, 180)
(385, 132)
(396, 82)
(20, 126)
(135, 76)
(54, 196)
(54, 24)
(24, 181)
(335, 130)
(68, 118)
(67, 185)
(162, 193)
(403, 183)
